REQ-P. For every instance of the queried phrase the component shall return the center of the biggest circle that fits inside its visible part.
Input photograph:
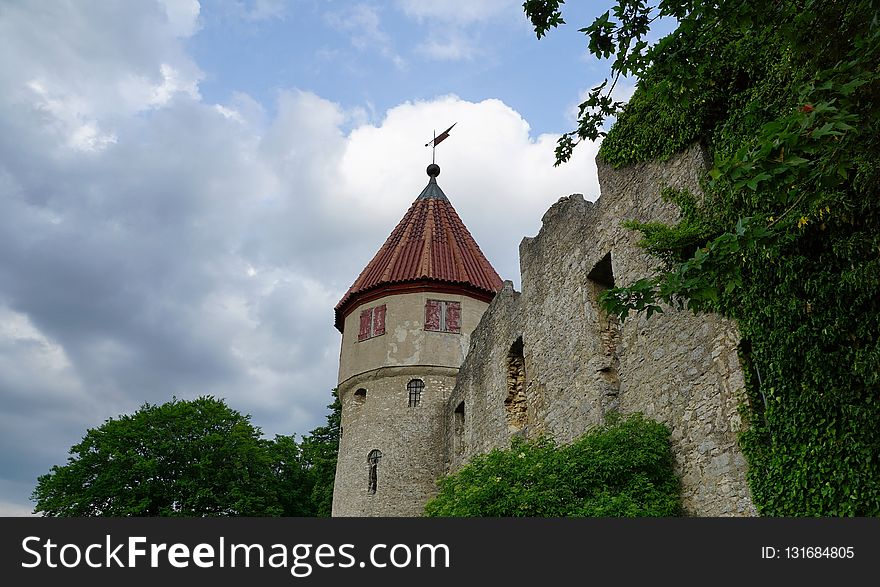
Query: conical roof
(430, 249)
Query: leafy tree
(193, 458)
(623, 468)
(785, 237)
(292, 481)
(181, 458)
(319, 451)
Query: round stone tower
(406, 324)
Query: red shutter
(366, 318)
(453, 317)
(432, 315)
(379, 320)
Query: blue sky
(187, 189)
(374, 55)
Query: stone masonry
(376, 413)
(549, 361)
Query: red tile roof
(429, 249)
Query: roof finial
(433, 170)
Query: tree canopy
(190, 458)
(181, 458)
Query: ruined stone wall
(475, 414)
(579, 364)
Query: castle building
(442, 361)
(406, 324)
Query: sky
(187, 190)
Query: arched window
(415, 388)
(360, 396)
(373, 463)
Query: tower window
(415, 388)
(360, 396)
(372, 322)
(373, 463)
(443, 316)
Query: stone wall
(482, 384)
(579, 363)
(409, 438)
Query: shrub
(623, 468)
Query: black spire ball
(433, 170)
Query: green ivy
(786, 238)
(624, 468)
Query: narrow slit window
(373, 463)
(458, 423)
(415, 388)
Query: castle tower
(406, 324)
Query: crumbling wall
(579, 363)
(476, 418)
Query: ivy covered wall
(786, 239)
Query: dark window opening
(415, 388)
(373, 463)
(600, 279)
(515, 406)
(458, 423)
(360, 396)
(603, 274)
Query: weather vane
(437, 139)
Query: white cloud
(67, 118)
(452, 31)
(449, 45)
(172, 83)
(81, 67)
(363, 23)
(229, 113)
(183, 16)
(266, 9)
(462, 11)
